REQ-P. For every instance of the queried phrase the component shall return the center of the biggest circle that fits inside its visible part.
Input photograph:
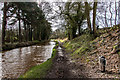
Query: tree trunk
(73, 26)
(94, 17)
(119, 21)
(74, 32)
(106, 19)
(19, 26)
(39, 36)
(79, 31)
(34, 34)
(30, 33)
(4, 22)
(11, 35)
(111, 14)
(19, 31)
(87, 11)
(115, 13)
(68, 36)
(79, 26)
(119, 13)
(25, 32)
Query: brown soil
(63, 67)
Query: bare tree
(110, 13)
(115, 12)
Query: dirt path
(64, 68)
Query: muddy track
(63, 67)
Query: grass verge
(9, 46)
(40, 71)
(78, 45)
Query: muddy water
(17, 61)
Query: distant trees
(31, 20)
(107, 14)
(94, 14)
(74, 15)
(59, 33)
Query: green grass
(81, 50)
(9, 46)
(80, 47)
(79, 44)
(40, 71)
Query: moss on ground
(81, 50)
(119, 53)
(40, 71)
(79, 45)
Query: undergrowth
(79, 45)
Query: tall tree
(4, 22)
(115, 12)
(110, 14)
(19, 18)
(94, 17)
(74, 17)
(87, 11)
(33, 19)
(119, 13)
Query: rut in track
(63, 67)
